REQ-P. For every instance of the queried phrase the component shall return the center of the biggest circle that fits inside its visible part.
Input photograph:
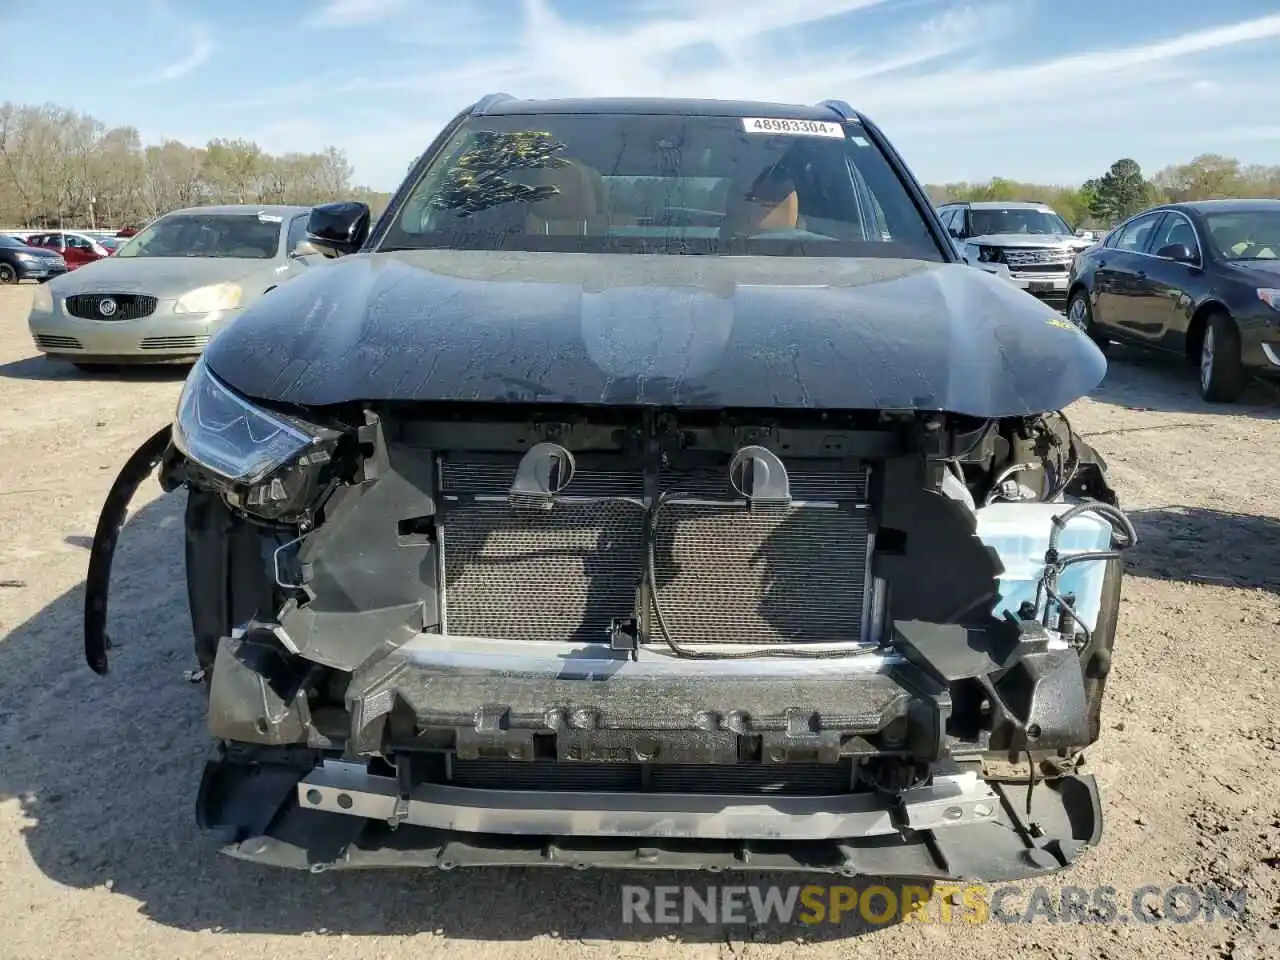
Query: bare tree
(58, 166)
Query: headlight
(217, 296)
(42, 299)
(1270, 296)
(27, 257)
(989, 254)
(225, 433)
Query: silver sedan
(171, 287)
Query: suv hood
(656, 330)
(1035, 240)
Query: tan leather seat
(574, 209)
(771, 204)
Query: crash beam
(345, 787)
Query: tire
(1080, 313)
(1222, 376)
(8, 274)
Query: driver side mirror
(1177, 251)
(337, 229)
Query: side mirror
(339, 228)
(1177, 251)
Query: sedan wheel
(1222, 375)
(1081, 315)
(8, 274)
(1206, 361)
(1077, 313)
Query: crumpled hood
(632, 329)
(162, 277)
(1035, 240)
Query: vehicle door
(1177, 282)
(1124, 302)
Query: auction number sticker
(804, 128)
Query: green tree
(1120, 192)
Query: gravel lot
(98, 847)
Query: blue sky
(1044, 90)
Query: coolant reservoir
(1019, 532)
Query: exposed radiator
(724, 574)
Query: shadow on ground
(1142, 380)
(1199, 545)
(44, 368)
(106, 768)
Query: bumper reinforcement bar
(348, 788)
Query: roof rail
(839, 107)
(487, 101)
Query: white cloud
(347, 13)
(201, 49)
(953, 84)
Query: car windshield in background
(1251, 235)
(1014, 220)
(206, 235)
(10, 242)
(618, 183)
(111, 243)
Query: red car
(76, 248)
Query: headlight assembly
(229, 436)
(217, 296)
(42, 299)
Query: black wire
(1031, 778)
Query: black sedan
(21, 262)
(1200, 280)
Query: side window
(297, 232)
(946, 215)
(1176, 229)
(1134, 237)
(80, 243)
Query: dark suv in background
(1200, 280)
(1028, 244)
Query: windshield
(1017, 220)
(1251, 235)
(206, 235)
(10, 241)
(111, 243)
(662, 184)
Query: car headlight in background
(1270, 296)
(217, 296)
(988, 254)
(228, 435)
(42, 299)
(27, 257)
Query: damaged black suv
(650, 486)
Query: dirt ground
(99, 849)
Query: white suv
(1028, 244)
